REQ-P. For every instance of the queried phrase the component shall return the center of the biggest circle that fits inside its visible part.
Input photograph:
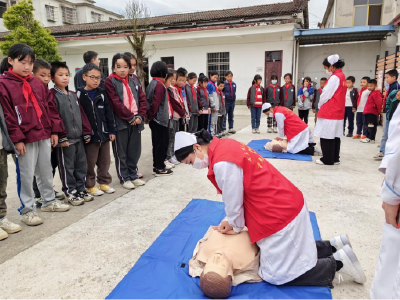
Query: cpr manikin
(224, 260)
(277, 146)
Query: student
(42, 71)
(180, 83)
(390, 105)
(255, 97)
(204, 102)
(191, 95)
(288, 92)
(360, 118)
(222, 108)
(158, 116)
(71, 151)
(213, 94)
(88, 57)
(351, 105)
(96, 106)
(128, 104)
(372, 109)
(305, 95)
(34, 125)
(318, 93)
(273, 94)
(230, 96)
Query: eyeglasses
(94, 78)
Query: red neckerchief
(274, 87)
(179, 89)
(287, 88)
(27, 92)
(230, 83)
(125, 82)
(304, 97)
(216, 88)
(193, 93)
(359, 95)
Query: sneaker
(3, 234)
(319, 162)
(233, 131)
(379, 156)
(138, 182)
(337, 163)
(357, 136)
(253, 131)
(165, 172)
(275, 130)
(351, 265)
(75, 200)
(174, 161)
(366, 140)
(258, 130)
(128, 185)
(363, 137)
(340, 241)
(38, 202)
(269, 130)
(107, 189)
(94, 191)
(59, 195)
(56, 206)
(85, 196)
(9, 227)
(168, 166)
(140, 175)
(350, 134)
(31, 218)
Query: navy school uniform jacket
(230, 91)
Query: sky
(162, 7)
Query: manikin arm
(280, 122)
(229, 177)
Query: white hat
(333, 59)
(184, 139)
(266, 106)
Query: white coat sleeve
(229, 178)
(329, 90)
(280, 122)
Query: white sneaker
(56, 206)
(340, 241)
(3, 234)
(233, 131)
(351, 265)
(174, 161)
(253, 131)
(60, 195)
(9, 227)
(319, 162)
(74, 199)
(269, 130)
(31, 218)
(275, 130)
(168, 166)
(337, 163)
(258, 130)
(128, 185)
(138, 182)
(366, 140)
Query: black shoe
(350, 134)
(164, 172)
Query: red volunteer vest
(293, 124)
(270, 200)
(335, 107)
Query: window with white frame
(96, 17)
(367, 12)
(50, 15)
(169, 61)
(68, 15)
(218, 62)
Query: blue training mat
(258, 146)
(162, 272)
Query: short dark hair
(366, 78)
(324, 79)
(213, 73)
(55, 66)
(130, 55)
(192, 75)
(90, 67)
(202, 137)
(274, 76)
(256, 78)
(228, 73)
(159, 69)
(393, 73)
(351, 78)
(123, 56)
(203, 79)
(373, 81)
(288, 74)
(89, 56)
(220, 81)
(308, 79)
(40, 63)
(182, 71)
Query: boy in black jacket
(96, 106)
(351, 105)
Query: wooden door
(273, 65)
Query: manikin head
(216, 279)
(277, 148)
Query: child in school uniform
(305, 96)
(372, 109)
(34, 125)
(204, 102)
(230, 96)
(71, 155)
(351, 105)
(255, 98)
(361, 101)
(288, 92)
(180, 83)
(193, 102)
(96, 106)
(318, 94)
(213, 93)
(222, 108)
(273, 94)
(129, 106)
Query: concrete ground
(85, 252)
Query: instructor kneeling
(258, 196)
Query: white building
(64, 12)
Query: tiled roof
(251, 12)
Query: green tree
(24, 28)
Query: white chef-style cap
(333, 59)
(184, 139)
(266, 106)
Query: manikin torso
(284, 143)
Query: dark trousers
(361, 126)
(330, 151)
(127, 149)
(224, 123)
(349, 116)
(54, 164)
(3, 182)
(98, 154)
(193, 123)
(230, 109)
(160, 140)
(203, 122)
(303, 114)
(372, 123)
(324, 271)
(72, 166)
(219, 124)
(309, 150)
(173, 128)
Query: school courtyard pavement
(85, 252)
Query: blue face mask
(274, 81)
